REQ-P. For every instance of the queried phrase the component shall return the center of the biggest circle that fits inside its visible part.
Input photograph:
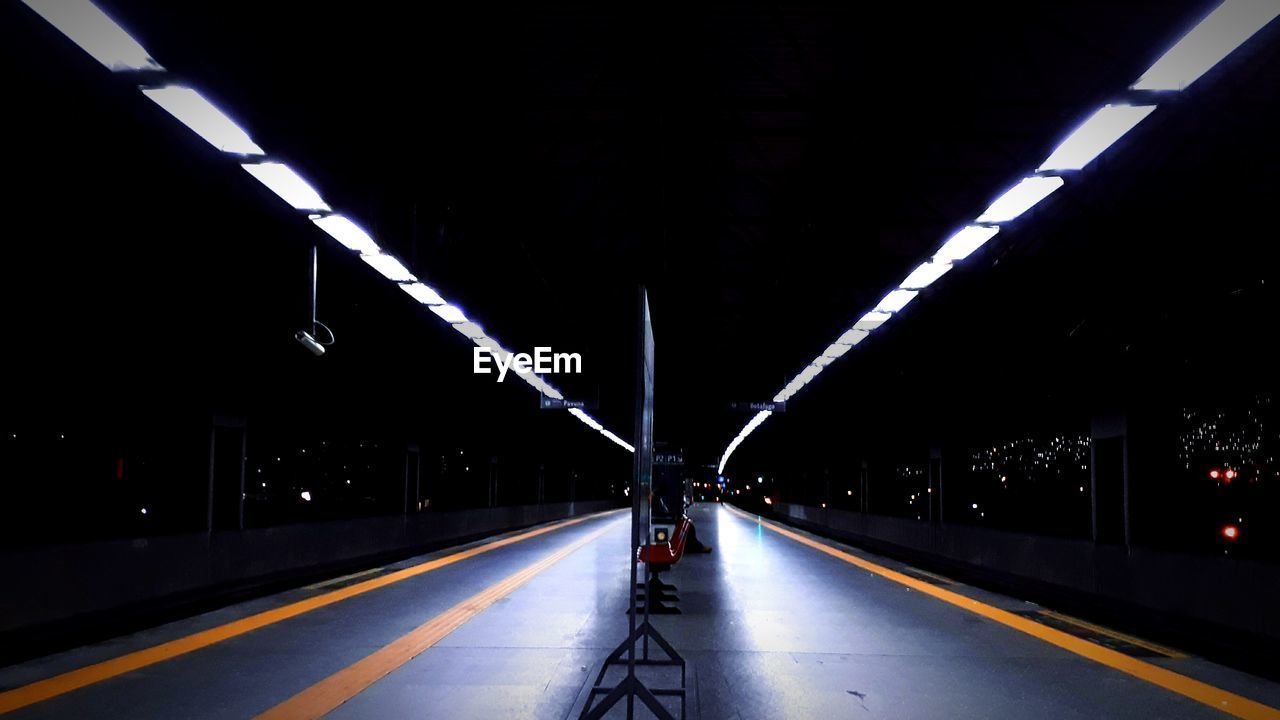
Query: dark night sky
(768, 171)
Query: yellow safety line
(1153, 647)
(326, 695)
(1201, 692)
(82, 677)
(334, 581)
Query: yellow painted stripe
(74, 680)
(1153, 647)
(326, 695)
(1201, 692)
(335, 581)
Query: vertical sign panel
(643, 481)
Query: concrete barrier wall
(45, 587)
(1232, 594)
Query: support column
(1109, 478)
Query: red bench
(661, 556)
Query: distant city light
(768, 500)
(962, 244)
(1020, 198)
(144, 511)
(305, 495)
(95, 33)
(1223, 30)
(389, 267)
(346, 232)
(1103, 128)
(975, 506)
(283, 181)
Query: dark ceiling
(767, 170)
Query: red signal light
(1230, 475)
(1231, 532)
(1215, 474)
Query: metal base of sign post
(630, 687)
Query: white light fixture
(283, 181)
(590, 421)
(853, 336)
(389, 267)
(964, 242)
(925, 275)
(896, 300)
(835, 350)
(423, 293)
(1106, 125)
(872, 320)
(1020, 198)
(193, 110)
(618, 440)
(541, 385)
(448, 313)
(495, 349)
(95, 33)
(469, 329)
(350, 235)
(809, 373)
(1223, 30)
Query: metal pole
(315, 263)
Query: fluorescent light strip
(389, 267)
(836, 350)
(346, 232)
(191, 109)
(1215, 37)
(494, 348)
(1222, 31)
(424, 294)
(1020, 198)
(470, 330)
(751, 426)
(96, 33)
(1104, 127)
(100, 36)
(872, 320)
(853, 336)
(448, 313)
(289, 185)
(925, 275)
(963, 243)
(896, 300)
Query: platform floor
(771, 628)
